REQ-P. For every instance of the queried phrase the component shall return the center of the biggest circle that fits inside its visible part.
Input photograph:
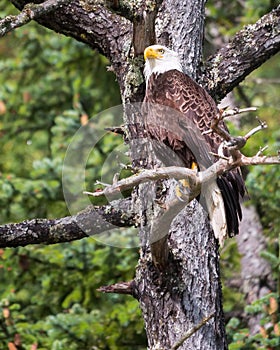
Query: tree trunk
(175, 300)
(178, 279)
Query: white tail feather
(216, 210)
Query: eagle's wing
(178, 111)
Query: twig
(225, 114)
(262, 126)
(219, 155)
(191, 331)
(30, 11)
(261, 150)
(97, 182)
(231, 112)
(116, 129)
(260, 160)
(119, 288)
(234, 144)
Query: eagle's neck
(160, 66)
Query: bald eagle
(179, 114)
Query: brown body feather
(177, 112)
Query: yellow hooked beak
(152, 53)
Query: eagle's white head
(159, 59)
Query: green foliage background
(49, 86)
(48, 294)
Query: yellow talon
(194, 166)
(182, 189)
(185, 183)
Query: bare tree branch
(247, 50)
(231, 112)
(30, 11)
(119, 288)
(148, 175)
(233, 144)
(194, 178)
(89, 222)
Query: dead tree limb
(119, 288)
(178, 173)
(89, 222)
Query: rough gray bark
(175, 299)
(188, 290)
(111, 33)
(177, 281)
(183, 32)
(91, 221)
(255, 271)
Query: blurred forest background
(50, 85)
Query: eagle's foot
(182, 190)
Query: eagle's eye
(161, 51)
